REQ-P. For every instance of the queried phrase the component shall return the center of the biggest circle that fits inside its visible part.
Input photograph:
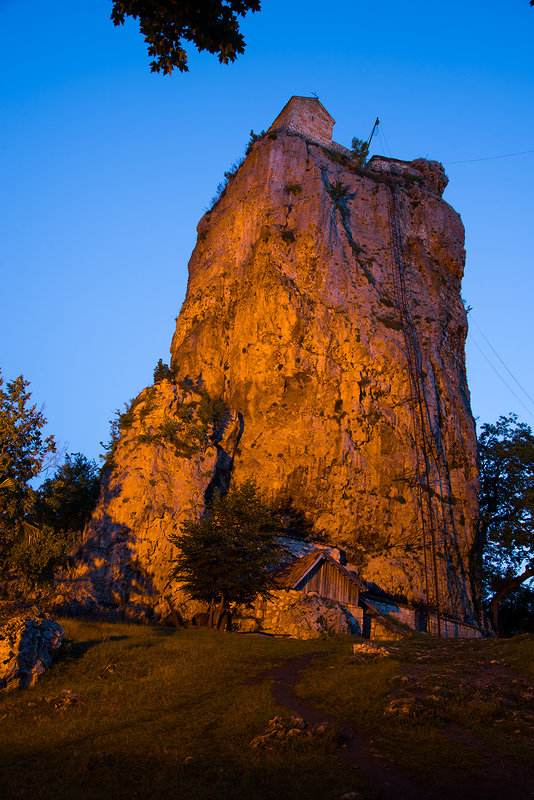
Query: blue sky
(107, 168)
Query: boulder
(287, 612)
(28, 643)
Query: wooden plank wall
(327, 581)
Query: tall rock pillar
(324, 306)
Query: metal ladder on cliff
(427, 452)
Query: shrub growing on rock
(360, 151)
(162, 372)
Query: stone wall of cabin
(406, 615)
(302, 616)
(451, 628)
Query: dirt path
(374, 765)
(497, 778)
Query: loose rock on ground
(28, 643)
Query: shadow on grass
(162, 631)
(73, 650)
(89, 773)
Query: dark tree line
(506, 456)
(37, 526)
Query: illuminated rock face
(324, 306)
(324, 309)
(169, 456)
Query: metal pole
(375, 126)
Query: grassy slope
(144, 700)
(482, 686)
(148, 699)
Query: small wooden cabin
(319, 572)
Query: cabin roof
(290, 575)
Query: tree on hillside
(227, 555)
(23, 454)
(65, 501)
(211, 25)
(62, 506)
(506, 456)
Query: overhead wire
(382, 137)
(386, 141)
(489, 158)
(385, 146)
(496, 371)
(500, 359)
